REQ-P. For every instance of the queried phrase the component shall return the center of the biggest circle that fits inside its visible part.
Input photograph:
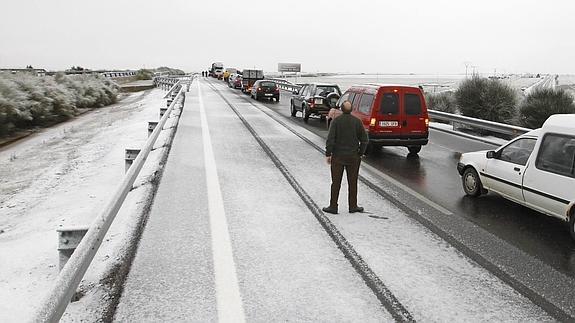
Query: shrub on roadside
(144, 74)
(29, 101)
(444, 102)
(542, 103)
(486, 99)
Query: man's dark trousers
(351, 165)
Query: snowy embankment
(61, 177)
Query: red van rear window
(412, 104)
(389, 104)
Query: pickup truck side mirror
(490, 154)
(296, 92)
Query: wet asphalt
(433, 174)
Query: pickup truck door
(297, 97)
(504, 173)
(549, 182)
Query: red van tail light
(372, 122)
(427, 122)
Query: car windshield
(325, 90)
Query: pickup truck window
(325, 90)
(557, 155)
(518, 152)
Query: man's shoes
(330, 209)
(357, 209)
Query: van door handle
(517, 169)
(405, 123)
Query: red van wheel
(414, 149)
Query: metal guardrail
(285, 85)
(70, 276)
(479, 123)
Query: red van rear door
(388, 112)
(414, 113)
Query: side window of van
(518, 152)
(365, 104)
(343, 99)
(351, 97)
(389, 104)
(356, 101)
(557, 155)
(412, 104)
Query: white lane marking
(230, 307)
(407, 189)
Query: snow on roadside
(449, 127)
(61, 177)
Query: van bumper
(406, 142)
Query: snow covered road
(287, 266)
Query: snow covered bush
(486, 99)
(542, 103)
(444, 102)
(144, 74)
(29, 101)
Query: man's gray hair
(346, 105)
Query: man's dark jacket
(346, 137)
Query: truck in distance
(249, 77)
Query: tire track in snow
(384, 295)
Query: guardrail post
(151, 126)
(169, 102)
(162, 111)
(68, 240)
(131, 155)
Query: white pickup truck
(536, 169)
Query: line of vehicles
(536, 170)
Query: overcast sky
(417, 36)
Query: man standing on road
(346, 143)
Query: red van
(393, 115)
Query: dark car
(314, 99)
(265, 89)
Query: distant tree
(542, 103)
(486, 99)
(29, 67)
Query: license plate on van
(388, 123)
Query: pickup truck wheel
(304, 114)
(414, 149)
(471, 182)
(293, 111)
